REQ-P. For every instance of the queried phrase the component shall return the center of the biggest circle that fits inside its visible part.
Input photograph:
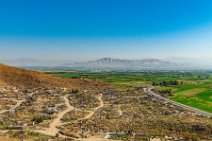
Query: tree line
(166, 83)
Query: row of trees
(166, 83)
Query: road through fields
(197, 111)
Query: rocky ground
(59, 114)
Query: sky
(92, 29)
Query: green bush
(38, 119)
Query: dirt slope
(32, 79)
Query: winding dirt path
(53, 130)
(96, 138)
(18, 103)
(120, 111)
(90, 115)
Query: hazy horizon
(56, 30)
(115, 63)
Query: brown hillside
(29, 79)
(32, 79)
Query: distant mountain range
(125, 64)
(106, 63)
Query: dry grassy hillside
(31, 79)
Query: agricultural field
(132, 79)
(198, 97)
(193, 88)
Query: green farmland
(194, 88)
(199, 97)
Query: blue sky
(91, 29)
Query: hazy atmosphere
(89, 30)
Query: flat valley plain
(194, 88)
